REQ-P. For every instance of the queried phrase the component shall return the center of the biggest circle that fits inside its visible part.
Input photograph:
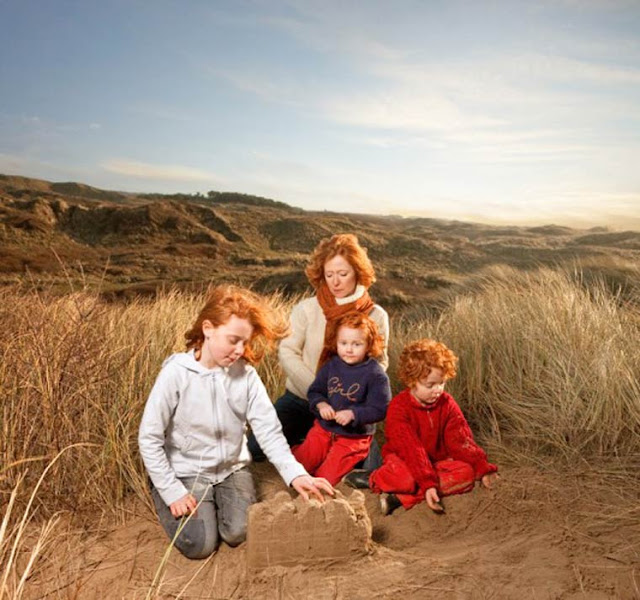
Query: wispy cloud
(29, 166)
(10, 163)
(403, 109)
(158, 172)
(312, 31)
(410, 90)
(164, 113)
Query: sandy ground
(537, 536)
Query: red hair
(420, 357)
(347, 246)
(356, 320)
(226, 300)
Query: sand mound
(292, 532)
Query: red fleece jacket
(423, 435)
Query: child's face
(223, 345)
(352, 345)
(430, 388)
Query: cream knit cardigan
(299, 353)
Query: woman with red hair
(341, 273)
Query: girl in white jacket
(192, 435)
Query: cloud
(343, 40)
(10, 163)
(157, 172)
(30, 166)
(164, 113)
(404, 110)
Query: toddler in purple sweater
(348, 396)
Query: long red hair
(226, 300)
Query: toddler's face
(430, 388)
(352, 345)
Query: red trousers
(329, 455)
(454, 477)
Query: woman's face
(340, 276)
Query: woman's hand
(325, 410)
(183, 506)
(433, 500)
(344, 417)
(489, 479)
(306, 485)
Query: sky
(502, 112)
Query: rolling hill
(135, 243)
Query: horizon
(195, 197)
(501, 113)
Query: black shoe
(388, 503)
(358, 478)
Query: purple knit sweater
(363, 388)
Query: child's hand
(344, 417)
(183, 506)
(433, 500)
(325, 410)
(489, 479)
(306, 485)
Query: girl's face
(340, 276)
(352, 345)
(430, 388)
(224, 344)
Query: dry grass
(548, 366)
(548, 374)
(76, 369)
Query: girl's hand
(344, 417)
(489, 479)
(183, 506)
(325, 410)
(433, 500)
(306, 485)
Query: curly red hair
(420, 357)
(347, 246)
(226, 300)
(357, 320)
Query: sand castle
(282, 531)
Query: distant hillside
(135, 243)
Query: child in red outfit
(348, 396)
(430, 451)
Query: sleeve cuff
(292, 470)
(173, 493)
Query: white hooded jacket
(194, 425)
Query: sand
(537, 535)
